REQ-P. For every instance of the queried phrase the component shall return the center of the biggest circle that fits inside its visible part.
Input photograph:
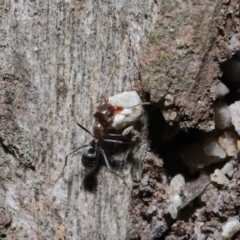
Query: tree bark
(58, 60)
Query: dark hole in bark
(231, 77)
(165, 140)
(192, 153)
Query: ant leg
(141, 104)
(65, 164)
(113, 134)
(75, 150)
(108, 166)
(118, 141)
(105, 159)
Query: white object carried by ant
(131, 111)
(116, 112)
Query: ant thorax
(98, 129)
(119, 111)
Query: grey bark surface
(57, 58)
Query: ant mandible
(115, 113)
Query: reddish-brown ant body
(118, 111)
(109, 115)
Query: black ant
(107, 116)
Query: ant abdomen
(90, 159)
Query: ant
(109, 115)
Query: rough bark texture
(57, 58)
(178, 59)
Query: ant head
(90, 159)
(104, 114)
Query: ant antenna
(65, 164)
(82, 127)
(105, 92)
